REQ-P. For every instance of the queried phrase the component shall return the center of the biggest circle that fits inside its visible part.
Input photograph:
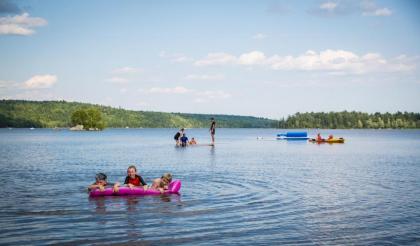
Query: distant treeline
(50, 114)
(347, 120)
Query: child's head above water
(167, 178)
(101, 178)
(132, 171)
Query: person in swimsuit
(133, 180)
(178, 135)
(184, 140)
(101, 183)
(212, 130)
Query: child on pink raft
(161, 184)
(101, 183)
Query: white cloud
(126, 70)
(327, 60)
(40, 81)
(329, 6)
(259, 36)
(337, 8)
(175, 57)
(20, 24)
(218, 94)
(216, 59)
(369, 8)
(251, 58)
(204, 77)
(118, 80)
(180, 58)
(379, 12)
(175, 90)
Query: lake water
(242, 191)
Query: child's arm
(143, 183)
(116, 187)
(95, 186)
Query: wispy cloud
(327, 60)
(252, 58)
(118, 80)
(345, 7)
(204, 77)
(20, 24)
(370, 8)
(175, 90)
(175, 57)
(126, 70)
(40, 81)
(329, 6)
(208, 95)
(216, 59)
(259, 36)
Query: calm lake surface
(242, 191)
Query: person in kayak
(330, 137)
(133, 179)
(319, 138)
(101, 183)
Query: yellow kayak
(333, 140)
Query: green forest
(50, 114)
(347, 120)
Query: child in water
(133, 180)
(192, 142)
(101, 183)
(162, 183)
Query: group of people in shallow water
(132, 180)
(181, 138)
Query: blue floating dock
(293, 136)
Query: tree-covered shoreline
(50, 114)
(352, 120)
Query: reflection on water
(244, 189)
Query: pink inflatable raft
(173, 188)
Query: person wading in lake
(212, 130)
(178, 135)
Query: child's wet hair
(100, 176)
(132, 166)
(167, 177)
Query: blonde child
(162, 183)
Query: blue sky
(260, 58)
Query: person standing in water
(212, 130)
(178, 136)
